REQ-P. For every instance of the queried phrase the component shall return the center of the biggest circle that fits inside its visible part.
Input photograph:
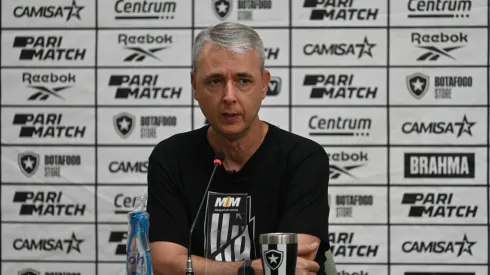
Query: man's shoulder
(176, 144)
(295, 145)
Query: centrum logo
(43, 48)
(144, 10)
(339, 126)
(143, 46)
(438, 44)
(436, 9)
(439, 127)
(123, 204)
(340, 49)
(439, 247)
(48, 244)
(49, 11)
(339, 10)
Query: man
(271, 180)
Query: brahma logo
(439, 165)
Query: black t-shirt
(282, 188)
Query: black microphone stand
(218, 160)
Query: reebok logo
(144, 46)
(438, 44)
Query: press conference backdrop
(396, 91)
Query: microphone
(218, 160)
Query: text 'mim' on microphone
(218, 160)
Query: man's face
(229, 88)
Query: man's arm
(305, 207)
(170, 259)
(308, 240)
(170, 222)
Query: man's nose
(230, 92)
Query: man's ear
(266, 77)
(193, 83)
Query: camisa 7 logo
(49, 11)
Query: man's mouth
(230, 115)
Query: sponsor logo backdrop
(395, 90)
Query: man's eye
(244, 81)
(214, 81)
